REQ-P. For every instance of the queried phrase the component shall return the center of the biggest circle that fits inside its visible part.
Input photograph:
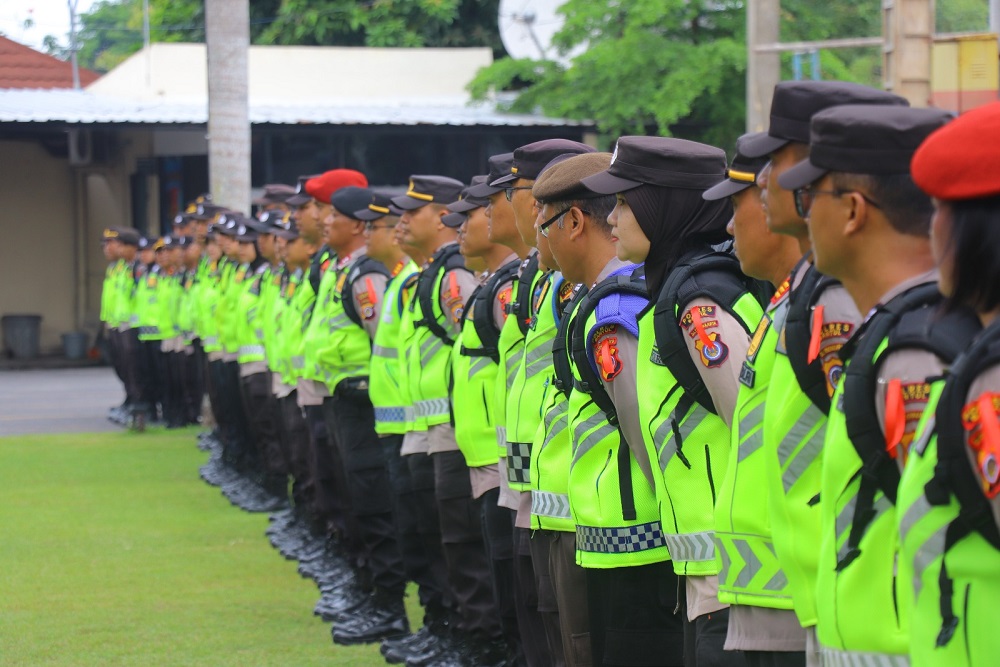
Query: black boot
(384, 618)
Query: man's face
(266, 243)
(501, 218)
(421, 227)
(110, 249)
(309, 218)
(757, 247)
(246, 252)
(341, 230)
(147, 255)
(779, 203)
(631, 244)
(941, 246)
(380, 236)
(523, 202)
(192, 254)
(826, 218)
(474, 239)
(545, 255)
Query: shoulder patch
(566, 292)
(504, 297)
(980, 419)
(609, 363)
(603, 330)
(687, 320)
(714, 353)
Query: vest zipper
(597, 484)
(708, 468)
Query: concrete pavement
(72, 400)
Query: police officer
(805, 368)
(704, 310)
(947, 504)
(557, 188)
(868, 226)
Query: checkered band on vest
(628, 539)
(519, 462)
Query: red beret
(323, 186)
(962, 159)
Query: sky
(50, 17)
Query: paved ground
(72, 400)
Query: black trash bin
(21, 334)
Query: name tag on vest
(748, 376)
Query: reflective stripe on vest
(385, 352)
(628, 539)
(555, 505)
(801, 447)
(751, 566)
(691, 547)
(394, 415)
(834, 658)
(433, 407)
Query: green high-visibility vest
(393, 413)
(793, 479)
(474, 378)
(249, 326)
(408, 355)
(856, 606)
(528, 355)
(345, 351)
(552, 447)
(605, 537)
(109, 291)
(295, 321)
(208, 302)
(750, 572)
(689, 448)
(429, 358)
(148, 295)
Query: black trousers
(192, 381)
(569, 582)
(152, 374)
(295, 445)
(264, 421)
(498, 538)
(116, 357)
(548, 606)
(705, 636)
(127, 343)
(532, 623)
(235, 429)
(173, 399)
(464, 551)
(424, 516)
(333, 505)
(351, 417)
(632, 619)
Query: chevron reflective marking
(725, 561)
(556, 422)
(691, 547)
(247, 350)
(339, 322)
(835, 658)
(798, 463)
(585, 441)
(555, 505)
(434, 407)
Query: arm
(368, 292)
(457, 286)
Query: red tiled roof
(23, 67)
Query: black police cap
(467, 201)
(499, 168)
(742, 173)
(424, 190)
(660, 161)
(350, 199)
(530, 160)
(863, 140)
(379, 207)
(795, 102)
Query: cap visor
(463, 206)
(606, 183)
(483, 190)
(800, 175)
(298, 199)
(502, 181)
(726, 188)
(761, 145)
(367, 215)
(285, 234)
(453, 220)
(408, 203)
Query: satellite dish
(527, 28)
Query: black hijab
(675, 220)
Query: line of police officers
(614, 409)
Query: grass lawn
(114, 552)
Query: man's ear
(857, 213)
(575, 222)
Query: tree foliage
(112, 30)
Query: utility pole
(763, 68)
(227, 37)
(995, 16)
(908, 32)
(74, 63)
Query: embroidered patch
(706, 313)
(606, 355)
(541, 291)
(367, 308)
(504, 297)
(566, 292)
(714, 353)
(758, 338)
(833, 369)
(602, 331)
(980, 420)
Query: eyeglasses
(804, 198)
(543, 228)
(509, 192)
